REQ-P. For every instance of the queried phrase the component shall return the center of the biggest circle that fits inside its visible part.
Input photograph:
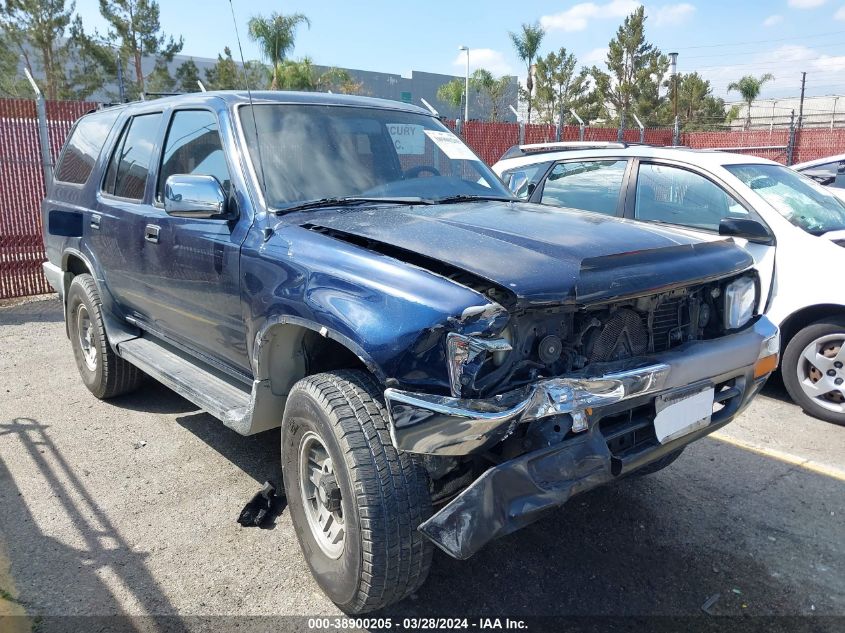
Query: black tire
(793, 364)
(659, 464)
(109, 375)
(384, 492)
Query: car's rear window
(83, 147)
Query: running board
(211, 390)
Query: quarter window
(83, 147)
(130, 163)
(677, 196)
(589, 185)
(193, 146)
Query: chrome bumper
(442, 425)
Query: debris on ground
(262, 508)
(708, 604)
(140, 444)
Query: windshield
(799, 199)
(314, 152)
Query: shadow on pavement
(41, 311)
(75, 574)
(256, 455)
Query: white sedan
(829, 172)
(793, 227)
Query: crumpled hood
(543, 254)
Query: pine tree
(136, 30)
(636, 70)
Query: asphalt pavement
(129, 507)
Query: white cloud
(577, 17)
(772, 20)
(806, 4)
(671, 14)
(486, 58)
(839, 15)
(595, 56)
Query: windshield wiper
(349, 201)
(472, 198)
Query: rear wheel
(813, 370)
(355, 501)
(104, 373)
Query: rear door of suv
(118, 229)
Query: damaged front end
(565, 398)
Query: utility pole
(801, 103)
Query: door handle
(151, 233)
(95, 221)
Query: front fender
(392, 315)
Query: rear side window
(591, 185)
(130, 163)
(193, 146)
(83, 147)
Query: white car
(793, 227)
(829, 171)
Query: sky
(721, 39)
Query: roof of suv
(701, 157)
(235, 97)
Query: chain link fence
(22, 179)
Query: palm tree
(527, 44)
(275, 36)
(749, 87)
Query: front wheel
(355, 501)
(813, 370)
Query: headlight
(740, 301)
(465, 354)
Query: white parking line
(806, 464)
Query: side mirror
(190, 196)
(751, 230)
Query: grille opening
(670, 320)
(630, 431)
(724, 396)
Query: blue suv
(445, 361)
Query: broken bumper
(611, 417)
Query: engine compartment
(558, 341)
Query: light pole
(466, 87)
(673, 65)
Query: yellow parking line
(806, 464)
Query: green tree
(275, 35)
(186, 77)
(749, 87)
(698, 109)
(303, 75)
(53, 46)
(452, 93)
(558, 87)
(136, 30)
(160, 81)
(224, 74)
(492, 93)
(636, 70)
(257, 74)
(527, 45)
(12, 83)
